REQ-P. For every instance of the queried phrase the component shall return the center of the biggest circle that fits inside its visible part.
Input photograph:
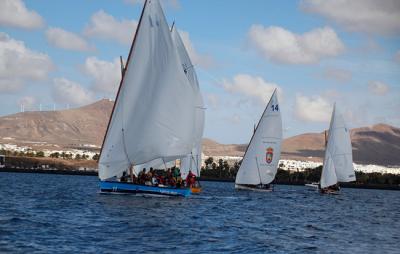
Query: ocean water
(66, 214)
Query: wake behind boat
(261, 159)
(158, 114)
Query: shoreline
(95, 173)
(49, 171)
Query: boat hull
(252, 188)
(312, 185)
(329, 192)
(143, 190)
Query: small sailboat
(338, 160)
(261, 159)
(155, 111)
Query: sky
(64, 54)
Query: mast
(122, 66)
(122, 79)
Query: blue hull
(118, 187)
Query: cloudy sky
(314, 52)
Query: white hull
(312, 185)
(255, 188)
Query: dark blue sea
(65, 214)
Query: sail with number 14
(261, 159)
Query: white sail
(338, 161)
(154, 113)
(193, 160)
(260, 162)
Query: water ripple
(65, 214)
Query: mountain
(73, 127)
(378, 144)
(211, 147)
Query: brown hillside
(378, 144)
(85, 125)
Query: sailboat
(338, 160)
(261, 159)
(155, 111)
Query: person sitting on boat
(160, 179)
(124, 177)
(151, 172)
(179, 182)
(154, 180)
(142, 176)
(149, 177)
(190, 179)
(176, 173)
(134, 178)
(168, 176)
(172, 182)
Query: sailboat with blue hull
(155, 118)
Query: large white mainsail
(261, 159)
(338, 161)
(191, 161)
(154, 112)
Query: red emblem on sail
(269, 154)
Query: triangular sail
(155, 109)
(338, 161)
(193, 160)
(260, 162)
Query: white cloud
(253, 88)
(204, 61)
(19, 64)
(314, 109)
(15, 14)
(106, 75)
(369, 16)
(378, 87)
(69, 92)
(104, 26)
(337, 74)
(283, 46)
(66, 40)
